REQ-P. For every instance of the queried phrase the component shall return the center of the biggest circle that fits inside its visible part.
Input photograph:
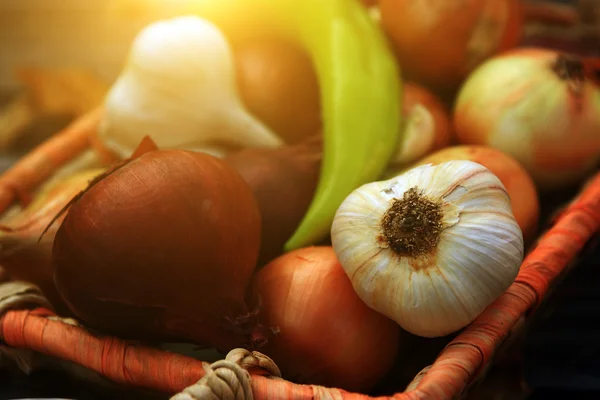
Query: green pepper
(359, 83)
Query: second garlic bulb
(178, 87)
(430, 248)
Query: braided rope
(229, 379)
(254, 361)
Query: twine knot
(229, 379)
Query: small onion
(325, 335)
(439, 42)
(278, 84)
(538, 105)
(284, 180)
(163, 248)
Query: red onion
(163, 248)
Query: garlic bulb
(178, 87)
(418, 139)
(430, 248)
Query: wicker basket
(27, 323)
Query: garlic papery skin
(430, 248)
(178, 87)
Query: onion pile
(165, 247)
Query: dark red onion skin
(284, 181)
(164, 249)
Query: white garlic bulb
(419, 130)
(178, 87)
(430, 248)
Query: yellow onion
(309, 302)
(278, 84)
(438, 42)
(538, 105)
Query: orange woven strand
(123, 362)
(456, 367)
(120, 361)
(562, 243)
(34, 168)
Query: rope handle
(229, 379)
